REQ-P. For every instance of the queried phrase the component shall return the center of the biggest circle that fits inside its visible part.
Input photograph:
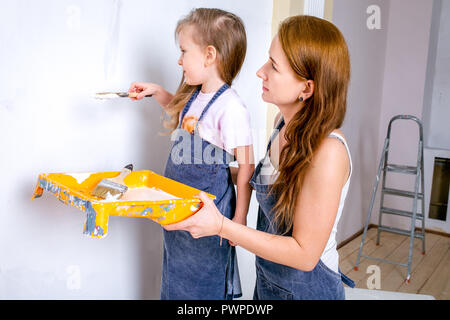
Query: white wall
(403, 93)
(388, 78)
(54, 55)
(436, 111)
(361, 126)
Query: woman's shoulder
(337, 132)
(333, 152)
(334, 144)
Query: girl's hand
(206, 222)
(144, 89)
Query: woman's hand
(241, 220)
(144, 89)
(206, 222)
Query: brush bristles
(106, 187)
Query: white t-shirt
(225, 124)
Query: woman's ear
(308, 90)
(211, 55)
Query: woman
(300, 190)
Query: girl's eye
(273, 67)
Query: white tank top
(330, 256)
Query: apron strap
(273, 136)
(213, 99)
(275, 132)
(347, 280)
(188, 105)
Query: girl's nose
(180, 62)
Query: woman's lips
(265, 89)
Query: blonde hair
(316, 50)
(221, 29)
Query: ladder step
(400, 231)
(401, 213)
(402, 193)
(384, 260)
(401, 169)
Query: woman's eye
(273, 67)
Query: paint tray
(75, 189)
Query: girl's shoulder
(230, 101)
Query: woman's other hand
(208, 221)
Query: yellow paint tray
(75, 189)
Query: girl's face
(192, 58)
(281, 86)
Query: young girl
(213, 129)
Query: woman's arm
(315, 213)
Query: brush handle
(135, 94)
(125, 171)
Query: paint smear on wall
(112, 41)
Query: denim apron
(200, 268)
(279, 282)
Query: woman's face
(192, 57)
(281, 86)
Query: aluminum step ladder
(383, 168)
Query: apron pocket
(201, 176)
(269, 291)
(327, 270)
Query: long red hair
(316, 51)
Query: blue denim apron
(279, 282)
(200, 268)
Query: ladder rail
(372, 200)
(383, 168)
(383, 184)
(413, 219)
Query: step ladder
(383, 168)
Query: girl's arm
(244, 157)
(162, 96)
(315, 213)
(234, 173)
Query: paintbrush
(112, 95)
(113, 187)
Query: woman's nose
(260, 73)
(180, 62)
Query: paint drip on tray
(142, 194)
